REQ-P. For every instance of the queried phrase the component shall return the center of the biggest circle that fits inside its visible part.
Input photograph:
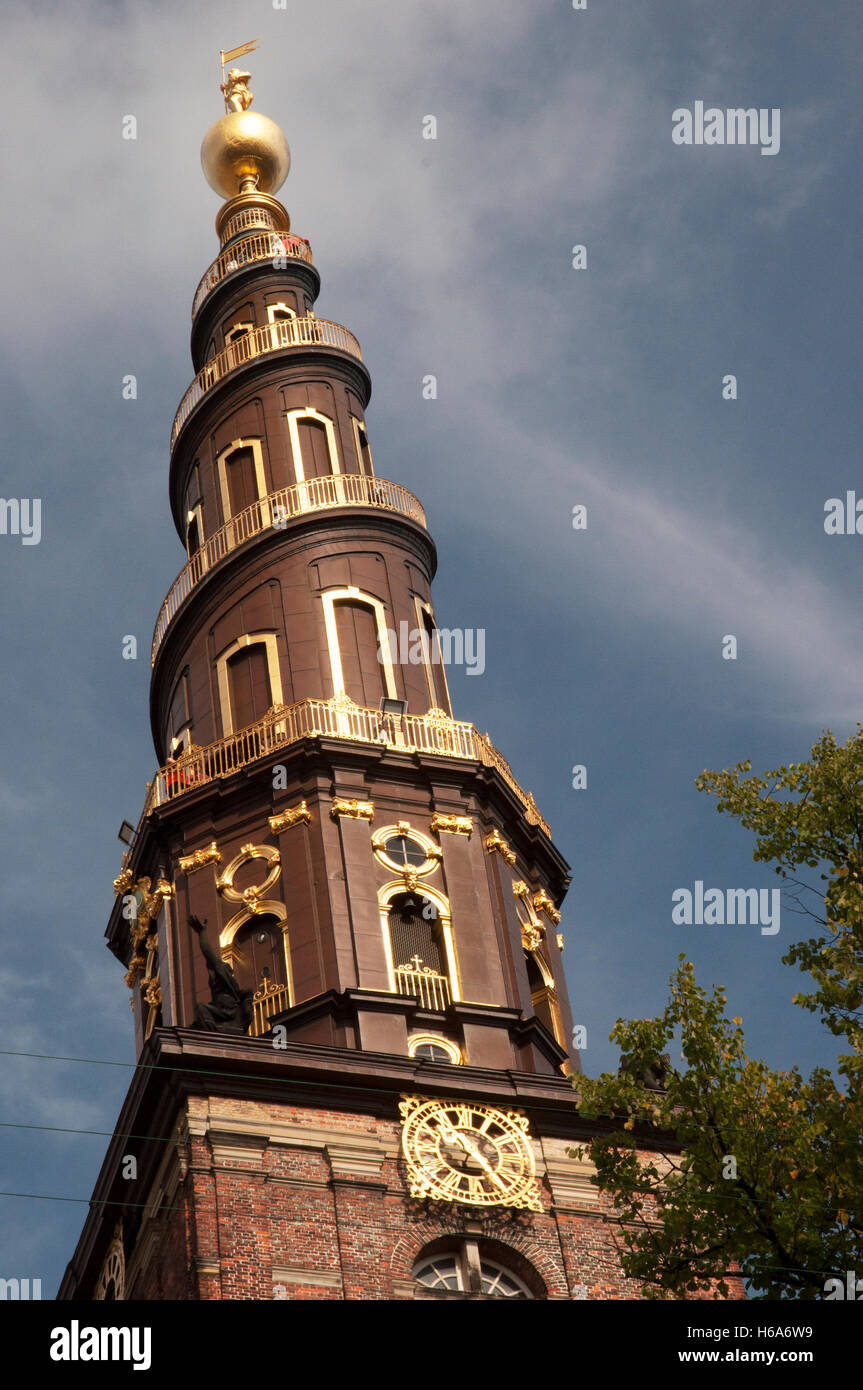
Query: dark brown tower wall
(246, 295)
(275, 585)
(253, 403)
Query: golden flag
(232, 53)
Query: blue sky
(556, 387)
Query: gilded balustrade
(273, 511)
(306, 331)
(336, 718)
(265, 245)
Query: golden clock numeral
(451, 1182)
(464, 1117)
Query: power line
(88, 1201)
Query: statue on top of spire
(236, 91)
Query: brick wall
(301, 1203)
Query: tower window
(418, 950)
(314, 449)
(404, 852)
(357, 638)
(428, 1047)
(242, 482)
(402, 847)
(431, 1052)
(235, 334)
(543, 996)
(249, 680)
(434, 666)
(193, 533)
(240, 469)
(364, 454)
(259, 953)
(279, 313)
(467, 1271)
(249, 685)
(415, 937)
(313, 444)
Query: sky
(558, 387)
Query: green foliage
(788, 1211)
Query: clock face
(464, 1152)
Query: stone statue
(230, 1007)
(236, 90)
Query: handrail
(272, 512)
(336, 718)
(263, 246)
(270, 337)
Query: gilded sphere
(242, 145)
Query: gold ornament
(245, 151)
(191, 863)
(531, 936)
(460, 1151)
(454, 825)
(250, 896)
(359, 810)
(495, 841)
(285, 819)
(543, 903)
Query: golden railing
(263, 246)
(270, 337)
(247, 219)
(335, 718)
(273, 511)
(272, 998)
(426, 984)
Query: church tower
(340, 912)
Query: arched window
(467, 1270)
(194, 531)
(241, 476)
(360, 658)
(429, 1047)
(278, 313)
(434, 666)
(415, 938)
(364, 454)
(249, 680)
(239, 330)
(419, 946)
(242, 484)
(111, 1285)
(313, 444)
(256, 947)
(249, 685)
(259, 952)
(357, 637)
(543, 996)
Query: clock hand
(471, 1147)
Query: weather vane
(236, 90)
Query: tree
(741, 1167)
